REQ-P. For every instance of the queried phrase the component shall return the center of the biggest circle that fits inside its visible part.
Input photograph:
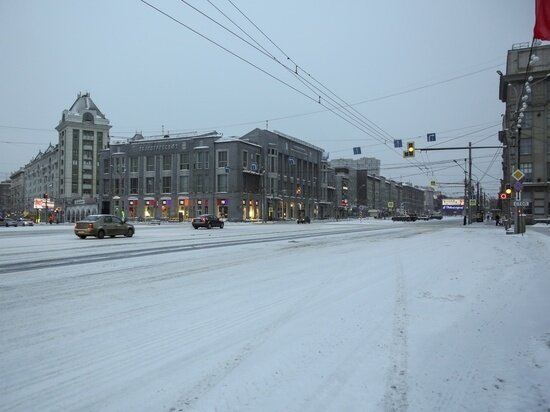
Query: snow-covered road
(336, 316)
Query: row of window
(200, 161)
(200, 184)
(527, 169)
(526, 146)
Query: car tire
(129, 233)
(221, 225)
(101, 234)
(195, 227)
(209, 225)
(82, 236)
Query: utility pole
(466, 200)
(478, 200)
(468, 191)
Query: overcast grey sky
(409, 67)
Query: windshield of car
(92, 217)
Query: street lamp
(466, 200)
(516, 121)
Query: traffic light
(45, 196)
(508, 191)
(410, 150)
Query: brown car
(103, 225)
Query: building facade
(181, 176)
(83, 133)
(292, 171)
(525, 89)
(370, 164)
(6, 204)
(40, 181)
(262, 175)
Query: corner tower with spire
(83, 133)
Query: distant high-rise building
(370, 164)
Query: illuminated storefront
(183, 209)
(132, 208)
(165, 208)
(223, 208)
(149, 210)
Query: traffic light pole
(467, 185)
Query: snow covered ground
(336, 316)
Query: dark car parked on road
(207, 221)
(103, 225)
(10, 222)
(404, 218)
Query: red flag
(542, 20)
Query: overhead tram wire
(271, 56)
(227, 50)
(352, 118)
(354, 104)
(415, 89)
(342, 105)
(463, 135)
(239, 27)
(433, 165)
(253, 65)
(377, 135)
(383, 134)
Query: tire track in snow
(300, 302)
(395, 398)
(148, 250)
